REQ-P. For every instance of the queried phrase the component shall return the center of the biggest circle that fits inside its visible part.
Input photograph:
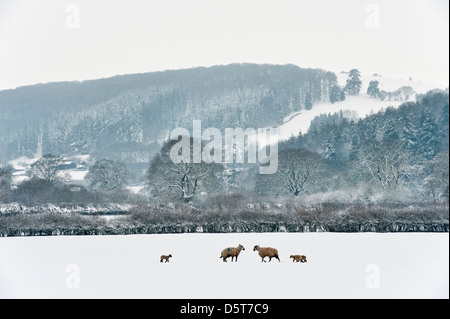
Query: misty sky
(56, 40)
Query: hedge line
(157, 219)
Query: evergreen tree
(427, 136)
(373, 89)
(5, 181)
(390, 131)
(407, 135)
(308, 101)
(336, 94)
(342, 95)
(354, 83)
(444, 124)
(330, 151)
(353, 153)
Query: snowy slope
(354, 106)
(363, 265)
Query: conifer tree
(354, 83)
(373, 89)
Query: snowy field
(363, 265)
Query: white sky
(410, 37)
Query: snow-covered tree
(5, 181)
(330, 151)
(185, 180)
(107, 175)
(385, 164)
(428, 137)
(437, 182)
(390, 131)
(408, 133)
(47, 168)
(299, 172)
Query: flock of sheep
(263, 252)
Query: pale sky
(63, 40)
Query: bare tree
(386, 164)
(46, 168)
(437, 182)
(184, 180)
(107, 175)
(299, 171)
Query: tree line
(400, 154)
(385, 173)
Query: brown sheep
(298, 258)
(231, 251)
(267, 252)
(165, 258)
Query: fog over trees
(343, 174)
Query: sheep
(231, 251)
(267, 252)
(298, 258)
(165, 258)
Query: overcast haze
(54, 40)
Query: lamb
(165, 258)
(231, 251)
(298, 258)
(267, 252)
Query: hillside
(127, 117)
(360, 164)
(353, 107)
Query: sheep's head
(256, 248)
(170, 256)
(241, 247)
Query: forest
(387, 172)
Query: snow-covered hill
(132, 125)
(354, 107)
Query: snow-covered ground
(363, 265)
